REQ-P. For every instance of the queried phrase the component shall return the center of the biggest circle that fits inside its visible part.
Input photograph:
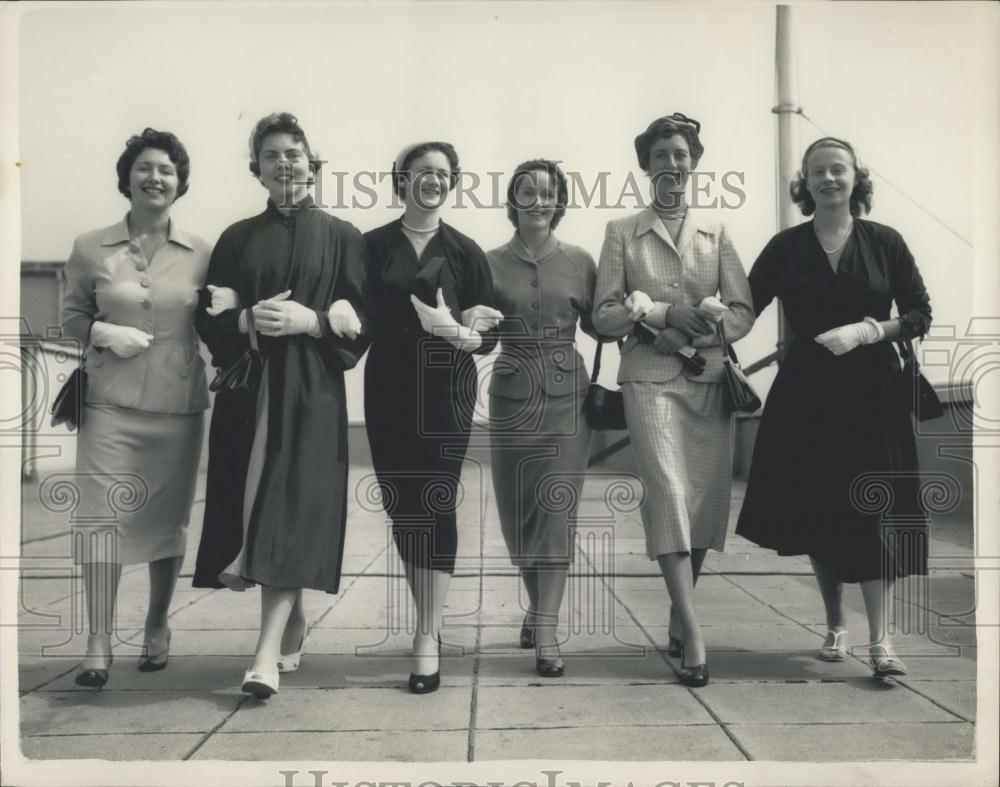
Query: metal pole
(786, 108)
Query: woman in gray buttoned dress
(656, 268)
(131, 293)
(540, 439)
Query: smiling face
(427, 180)
(284, 168)
(153, 180)
(670, 165)
(830, 177)
(535, 200)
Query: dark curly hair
(426, 147)
(278, 123)
(664, 128)
(160, 140)
(539, 165)
(861, 195)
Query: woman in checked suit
(656, 267)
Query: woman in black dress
(833, 435)
(276, 503)
(426, 279)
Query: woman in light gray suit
(656, 268)
(540, 439)
(131, 293)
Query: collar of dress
(118, 233)
(519, 250)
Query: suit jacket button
(184, 375)
(534, 306)
(146, 282)
(99, 362)
(147, 326)
(676, 284)
(558, 378)
(534, 282)
(147, 304)
(141, 266)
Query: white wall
(503, 82)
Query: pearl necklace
(420, 232)
(843, 243)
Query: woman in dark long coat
(427, 282)
(277, 494)
(834, 432)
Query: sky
(504, 83)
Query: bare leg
(832, 590)
(429, 589)
(529, 575)
(551, 586)
(295, 628)
(100, 582)
(878, 595)
(679, 578)
(162, 581)
(275, 607)
(697, 561)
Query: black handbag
(68, 406)
(739, 394)
(246, 373)
(603, 409)
(913, 392)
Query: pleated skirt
(682, 436)
(135, 477)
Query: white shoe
(261, 684)
(289, 662)
(837, 649)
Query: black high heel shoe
(696, 676)
(548, 668)
(425, 684)
(527, 635)
(154, 661)
(94, 678)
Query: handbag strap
(597, 359)
(252, 329)
(727, 348)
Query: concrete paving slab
(783, 666)
(122, 747)
(36, 673)
(856, 701)
(553, 705)
(607, 743)
(114, 712)
(319, 710)
(378, 745)
(957, 696)
(518, 667)
(760, 637)
(944, 741)
(183, 673)
(385, 672)
(68, 642)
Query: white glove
(481, 318)
(435, 320)
(122, 340)
(277, 316)
(638, 304)
(223, 299)
(344, 321)
(713, 306)
(845, 338)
